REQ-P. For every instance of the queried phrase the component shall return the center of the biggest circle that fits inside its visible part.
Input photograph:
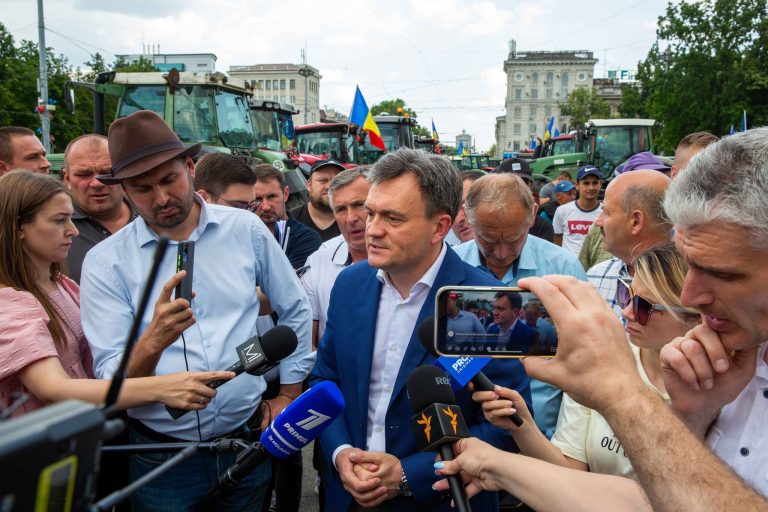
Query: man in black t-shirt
(317, 213)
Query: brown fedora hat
(139, 143)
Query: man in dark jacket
(297, 240)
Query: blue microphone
(294, 428)
(462, 370)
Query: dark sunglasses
(642, 307)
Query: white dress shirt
(739, 436)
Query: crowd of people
(656, 294)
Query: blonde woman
(583, 440)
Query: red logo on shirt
(579, 227)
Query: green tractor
(209, 108)
(604, 143)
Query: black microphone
(480, 381)
(438, 422)
(294, 428)
(256, 356)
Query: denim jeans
(185, 487)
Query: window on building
(563, 93)
(534, 94)
(516, 146)
(533, 111)
(534, 79)
(292, 84)
(517, 112)
(274, 97)
(292, 99)
(564, 79)
(532, 128)
(269, 85)
(548, 93)
(550, 78)
(274, 84)
(516, 129)
(282, 85)
(518, 93)
(547, 111)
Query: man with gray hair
(346, 195)
(717, 375)
(370, 344)
(500, 208)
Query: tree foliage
(707, 66)
(584, 104)
(397, 107)
(19, 70)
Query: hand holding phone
(185, 260)
(492, 322)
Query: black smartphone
(492, 322)
(185, 260)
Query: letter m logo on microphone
(314, 420)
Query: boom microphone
(256, 356)
(294, 428)
(462, 369)
(438, 421)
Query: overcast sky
(444, 58)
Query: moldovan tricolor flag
(437, 139)
(361, 116)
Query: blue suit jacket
(524, 336)
(344, 356)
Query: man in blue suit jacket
(513, 333)
(370, 344)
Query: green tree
(707, 66)
(584, 104)
(397, 107)
(631, 105)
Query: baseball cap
(645, 160)
(517, 166)
(564, 186)
(588, 170)
(330, 162)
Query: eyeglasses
(642, 307)
(241, 205)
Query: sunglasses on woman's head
(642, 307)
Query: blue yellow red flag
(361, 116)
(434, 136)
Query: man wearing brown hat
(234, 253)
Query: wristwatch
(404, 489)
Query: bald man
(632, 221)
(100, 209)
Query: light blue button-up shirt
(538, 258)
(234, 253)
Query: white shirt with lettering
(573, 223)
(584, 435)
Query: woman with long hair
(43, 352)
(654, 316)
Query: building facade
(189, 62)
(464, 139)
(298, 85)
(609, 90)
(536, 83)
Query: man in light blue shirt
(234, 253)
(500, 209)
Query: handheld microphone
(438, 422)
(255, 356)
(294, 428)
(461, 369)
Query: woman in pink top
(43, 352)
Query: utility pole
(304, 71)
(43, 80)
